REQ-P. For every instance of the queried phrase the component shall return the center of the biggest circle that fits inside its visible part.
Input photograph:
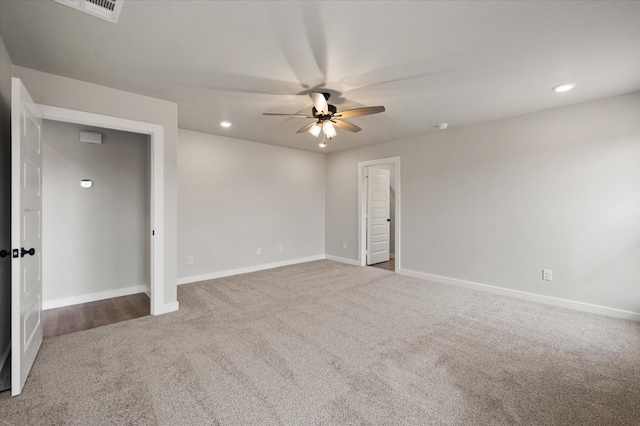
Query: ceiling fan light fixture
(328, 129)
(315, 129)
(322, 144)
(225, 124)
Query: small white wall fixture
(362, 209)
(156, 133)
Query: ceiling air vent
(109, 10)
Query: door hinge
(153, 232)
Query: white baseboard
(5, 356)
(548, 300)
(342, 260)
(166, 308)
(255, 268)
(92, 297)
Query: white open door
(26, 238)
(378, 218)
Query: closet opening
(96, 226)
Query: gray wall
(235, 196)
(498, 202)
(49, 89)
(6, 69)
(94, 239)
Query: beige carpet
(327, 343)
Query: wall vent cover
(109, 10)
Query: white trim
(362, 209)
(343, 260)
(5, 356)
(392, 255)
(547, 300)
(91, 297)
(245, 270)
(167, 307)
(156, 133)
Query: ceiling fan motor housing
(332, 110)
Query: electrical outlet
(280, 248)
(259, 251)
(344, 246)
(546, 274)
(189, 260)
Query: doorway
(26, 206)
(96, 230)
(379, 213)
(156, 201)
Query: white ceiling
(426, 62)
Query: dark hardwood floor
(389, 265)
(94, 314)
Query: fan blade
(288, 115)
(306, 128)
(359, 111)
(320, 102)
(346, 125)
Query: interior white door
(378, 218)
(26, 238)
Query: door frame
(156, 133)
(362, 208)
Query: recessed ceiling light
(225, 124)
(564, 87)
(442, 126)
